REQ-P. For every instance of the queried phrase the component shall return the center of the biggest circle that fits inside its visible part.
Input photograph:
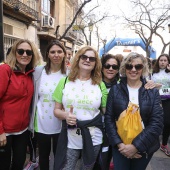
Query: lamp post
(90, 30)
(169, 32)
(1, 33)
(104, 42)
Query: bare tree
(95, 24)
(104, 42)
(163, 42)
(95, 20)
(150, 17)
(82, 21)
(74, 19)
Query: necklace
(83, 82)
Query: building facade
(40, 21)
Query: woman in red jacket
(16, 90)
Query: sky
(111, 27)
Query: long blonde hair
(11, 58)
(96, 72)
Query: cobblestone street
(159, 161)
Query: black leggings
(16, 147)
(165, 134)
(32, 147)
(44, 146)
(166, 129)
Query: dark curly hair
(105, 58)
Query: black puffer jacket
(150, 110)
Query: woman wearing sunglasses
(79, 99)
(110, 76)
(43, 122)
(161, 77)
(136, 154)
(110, 70)
(16, 91)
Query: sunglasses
(22, 51)
(137, 67)
(114, 66)
(85, 57)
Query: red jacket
(16, 90)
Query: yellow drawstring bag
(129, 124)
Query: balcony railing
(16, 4)
(71, 34)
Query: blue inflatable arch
(126, 42)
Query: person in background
(8, 51)
(16, 91)
(69, 54)
(153, 63)
(150, 68)
(161, 76)
(68, 61)
(120, 57)
(79, 99)
(137, 154)
(46, 126)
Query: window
(8, 29)
(31, 4)
(45, 6)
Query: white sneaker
(31, 166)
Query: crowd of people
(93, 111)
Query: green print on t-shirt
(85, 102)
(46, 98)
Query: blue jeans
(123, 163)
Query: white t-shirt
(133, 95)
(45, 121)
(163, 78)
(86, 100)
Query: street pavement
(159, 161)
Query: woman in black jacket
(137, 154)
(110, 76)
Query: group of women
(69, 110)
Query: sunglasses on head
(22, 51)
(137, 67)
(85, 57)
(114, 66)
